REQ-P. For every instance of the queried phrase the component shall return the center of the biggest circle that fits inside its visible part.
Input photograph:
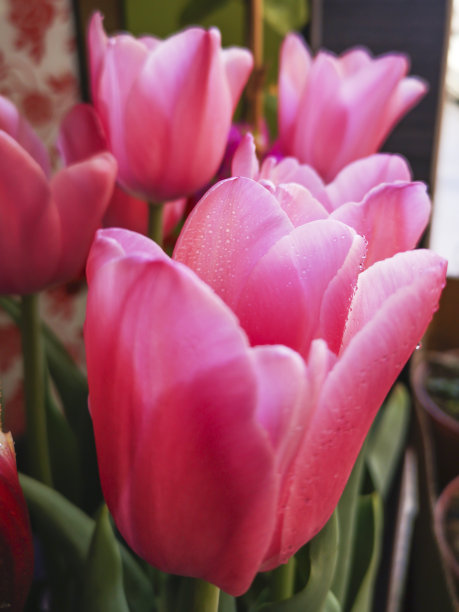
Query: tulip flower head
(166, 106)
(244, 375)
(374, 195)
(334, 110)
(46, 224)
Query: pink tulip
(46, 225)
(374, 195)
(82, 136)
(166, 106)
(334, 110)
(16, 550)
(231, 387)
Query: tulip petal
(81, 193)
(391, 217)
(289, 170)
(356, 179)
(238, 65)
(229, 230)
(97, 44)
(181, 430)
(295, 63)
(123, 61)
(354, 60)
(245, 162)
(391, 309)
(282, 299)
(283, 406)
(407, 94)
(366, 95)
(300, 206)
(322, 123)
(27, 221)
(166, 122)
(81, 134)
(20, 130)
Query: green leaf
(72, 388)
(196, 10)
(347, 515)
(323, 552)
(67, 529)
(368, 546)
(286, 15)
(63, 450)
(386, 440)
(102, 579)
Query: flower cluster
(231, 385)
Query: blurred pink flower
(46, 225)
(244, 375)
(334, 110)
(16, 550)
(166, 106)
(374, 195)
(81, 136)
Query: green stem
(34, 391)
(205, 597)
(155, 222)
(283, 580)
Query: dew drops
(418, 346)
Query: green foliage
(102, 575)
(323, 553)
(66, 533)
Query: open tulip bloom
(231, 387)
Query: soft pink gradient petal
(123, 61)
(283, 406)
(188, 66)
(323, 118)
(295, 63)
(81, 193)
(245, 162)
(187, 470)
(20, 130)
(366, 96)
(392, 218)
(393, 305)
(301, 207)
(229, 230)
(29, 224)
(282, 299)
(289, 170)
(97, 46)
(81, 134)
(238, 65)
(407, 94)
(356, 179)
(354, 60)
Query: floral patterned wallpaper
(39, 73)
